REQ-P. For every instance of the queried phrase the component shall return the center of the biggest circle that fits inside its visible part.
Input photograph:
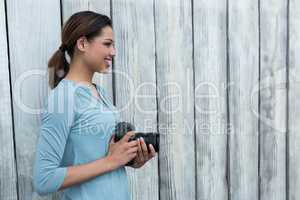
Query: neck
(79, 72)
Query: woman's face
(100, 51)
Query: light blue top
(76, 128)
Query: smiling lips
(108, 61)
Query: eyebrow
(110, 40)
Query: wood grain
(210, 98)
(135, 83)
(209, 75)
(174, 49)
(34, 30)
(273, 96)
(294, 104)
(243, 41)
(8, 174)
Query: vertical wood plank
(273, 99)
(294, 103)
(34, 30)
(8, 177)
(210, 98)
(70, 7)
(176, 99)
(243, 102)
(135, 82)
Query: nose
(113, 51)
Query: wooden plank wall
(243, 75)
(210, 98)
(8, 177)
(273, 99)
(219, 79)
(33, 35)
(293, 143)
(174, 68)
(135, 82)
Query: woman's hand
(142, 154)
(121, 152)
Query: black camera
(150, 138)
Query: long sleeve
(56, 123)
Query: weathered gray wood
(135, 81)
(294, 103)
(69, 7)
(34, 30)
(273, 99)
(34, 34)
(210, 98)
(8, 177)
(173, 23)
(243, 102)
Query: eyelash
(108, 44)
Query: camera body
(150, 138)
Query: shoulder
(62, 91)
(59, 113)
(61, 97)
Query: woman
(76, 150)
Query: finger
(144, 148)
(132, 155)
(152, 150)
(127, 136)
(133, 143)
(140, 151)
(133, 150)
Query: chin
(105, 70)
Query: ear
(82, 43)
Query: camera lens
(121, 129)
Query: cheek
(95, 57)
(98, 55)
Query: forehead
(107, 33)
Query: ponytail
(58, 67)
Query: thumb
(127, 136)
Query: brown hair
(84, 23)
